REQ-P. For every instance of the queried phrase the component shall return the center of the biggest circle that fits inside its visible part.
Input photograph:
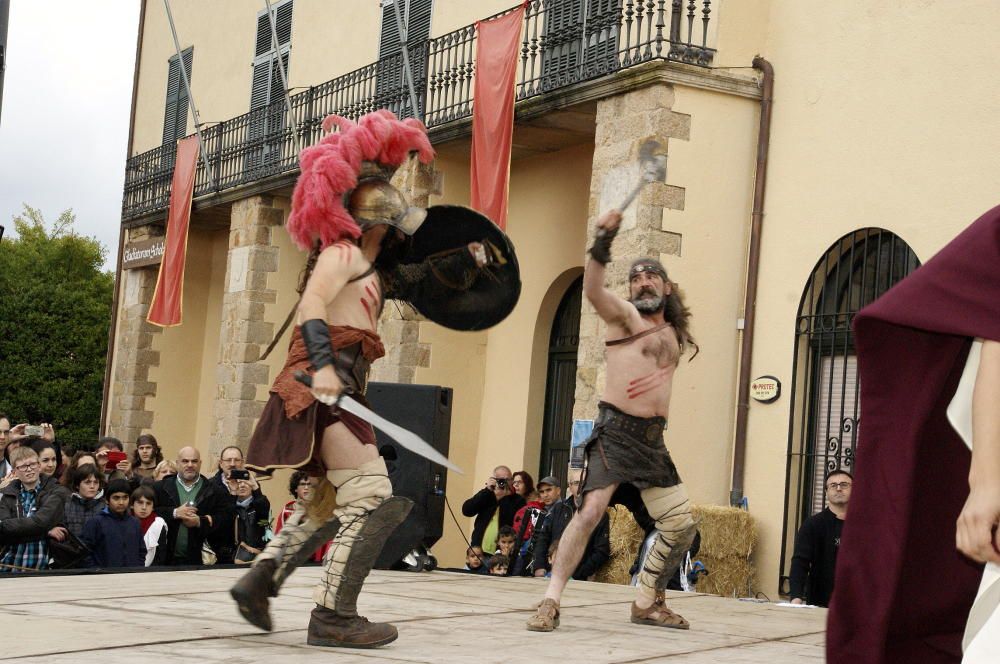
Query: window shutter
(266, 86)
(175, 113)
(390, 83)
(417, 16)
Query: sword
(407, 439)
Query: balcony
(562, 46)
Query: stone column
(399, 325)
(134, 353)
(245, 332)
(624, 122)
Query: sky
(64, 121)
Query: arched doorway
(823, 421)
(560, 384)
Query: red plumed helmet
(330, 171)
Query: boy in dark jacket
(114, 536)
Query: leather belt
(646, 429)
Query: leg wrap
(671, 511)
(284, 545)
(367, 516)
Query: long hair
(678, 315)
(147, 439)
(308, 268)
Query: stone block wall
(134, 355)
(245, 332)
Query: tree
(55, 311)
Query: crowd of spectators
(517, 526)
(102, 509)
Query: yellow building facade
(879, 152)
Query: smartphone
(33, 430)
(237, 474)
(114, 458)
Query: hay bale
(725, 531)
(728, 538)
(626, 537)
(730, 576)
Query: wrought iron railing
(564, 42)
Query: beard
(647, 301)
(648, 304)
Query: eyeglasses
(27, 467)
(838, 485)
(518, 482)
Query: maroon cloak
(902, 591)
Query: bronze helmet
(375, 201)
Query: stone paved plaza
(187, 616)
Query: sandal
(546, 618)
(664, 618)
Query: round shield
(475, 301)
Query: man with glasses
(224, 541)
(30, 507)
(817, 543)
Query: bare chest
(359, 303)
(659, 349)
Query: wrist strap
(600, 251)
(316, 336)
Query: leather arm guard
(455, 268)
(316, 336)
(600, 251)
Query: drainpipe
(753, 268)
(121, 234)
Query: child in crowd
(153, 527)
(474, 559)
(499, 564)
(85, 502)
(506, 541)
(114, 536)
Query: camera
(33, 430)
(237, 474)
(502, 482)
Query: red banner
(165, 309)
(493, 112)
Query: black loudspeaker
(426, 411)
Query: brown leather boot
(251, 593)
(326, 628)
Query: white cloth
(152, 538)
(981, 643)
